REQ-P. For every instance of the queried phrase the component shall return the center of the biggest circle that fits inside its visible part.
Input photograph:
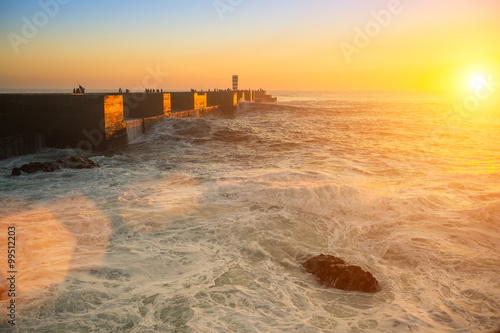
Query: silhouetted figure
(120, 91)
(127, 91)
(79, 90)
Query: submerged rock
(334, 272)
(74, 162)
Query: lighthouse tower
(235, 82)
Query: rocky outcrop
(334, 272)
(74, 162)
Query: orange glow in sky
(392, 45)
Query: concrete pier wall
(167, 104)
(182, 101)
(261, 96)
(146, 105)
(22, 145)
(64, 119)
(135, 129)
(195, 113)
(112, 115)
(227, 100)
(249, 95)
(31, 122)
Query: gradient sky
(275, 44)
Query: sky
(429, 45)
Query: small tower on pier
(235, 82)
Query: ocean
(202, 225)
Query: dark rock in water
(16, 172)
(77, 162)
(74, 162)
(334, 272)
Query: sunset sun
(477, 82)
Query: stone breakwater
(102, 122)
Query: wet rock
(334, 272)
(74, 162)
(16, 172)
